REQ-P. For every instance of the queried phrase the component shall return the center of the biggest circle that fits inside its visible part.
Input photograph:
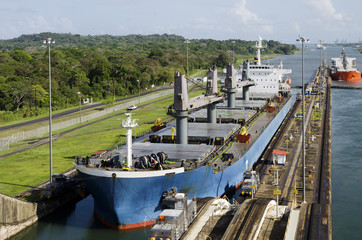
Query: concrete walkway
(292, 225)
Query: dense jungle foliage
(102, 67)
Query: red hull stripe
(238, 185)
(347, 76)
(132, 226)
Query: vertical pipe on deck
(181, 127)
(211, 113)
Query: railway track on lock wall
(319, 220)
(264, 160)
(262, 163)
(243, 224)
(316, 220)
(323, 184)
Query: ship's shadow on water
(76, 221)
(71, 214)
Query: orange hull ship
(345, 68)
(347, 76)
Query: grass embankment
(84, 112)
(29, 168)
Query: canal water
(77, 221)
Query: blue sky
(281, 20)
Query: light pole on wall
(139, 93)
(303, 40)
(233, 42)
(187, 58)
(321, 47)
(49, 41)
(80, 107)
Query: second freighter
(345, 68)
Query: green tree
(222, 60)
(18, 88)
(21, 56)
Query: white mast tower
(259, 46)
(129, 124)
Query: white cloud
(63, 24)
(38, 23)
(328, 20)
(203, 23)
(297, 27)
(326, 10)
(246, 16)
(251, 20)
(161, 29)
(122, 28)
(32, 24)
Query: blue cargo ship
(129, 195)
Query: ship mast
(258, 46)
(129, 123)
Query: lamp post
(114, 90)
(139, 91)
(320, 48)
(187, 57)
(80, 107)
(233, 42)
(303, 40)
(49, 41)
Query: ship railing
(235, 202)
(226, 198)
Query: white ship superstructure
(267, 79)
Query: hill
(103, 67)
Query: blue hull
(127, 203)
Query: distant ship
(345, 68)
(320, 46)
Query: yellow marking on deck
(231, 144)
(252, 123)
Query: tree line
(102, 67)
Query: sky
(281, 20)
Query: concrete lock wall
(15, 215)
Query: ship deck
(175, 152)
(226, 114)
(191, 156)
(238, 149)
(258, 96)
(244, 104)
(203, 130)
